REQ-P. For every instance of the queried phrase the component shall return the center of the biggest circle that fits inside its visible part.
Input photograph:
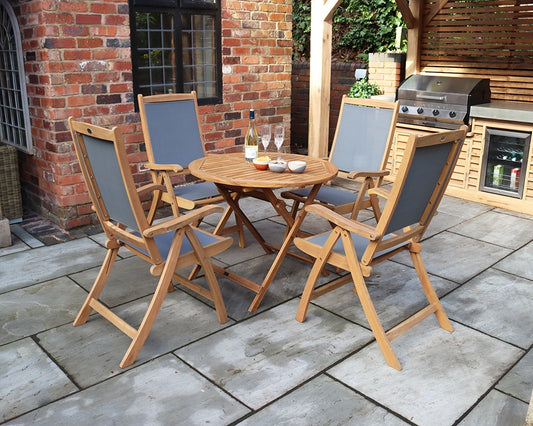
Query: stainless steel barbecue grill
(440, 101)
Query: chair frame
(370, 179)
(143, 243)
(382, 245)
(162, 174)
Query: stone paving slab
(497, 228)
(163, 392)
(260, 359)
(395, 291)
(28, 379)
(519, 262)
(45, 263)
(39, 307)
(323, 401)
(16, 245)
(92, 351)
(443, 374)
(130, 279)
(519, 381)
(496, 303)
(456, 257)
(497, 409)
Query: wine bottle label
(250, 152)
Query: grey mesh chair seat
(329, 195)
(197, 191)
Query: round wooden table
(235, 177)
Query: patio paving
(266, 368)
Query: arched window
(14, 113)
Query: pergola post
(320, 76)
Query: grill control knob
(420, 110)
(435, 112)
(405, 108)
(453, 114)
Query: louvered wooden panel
(482, 38)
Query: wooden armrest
(164, 167)
(380, 192)
(181, 221)
(358, 228)
(375, 173)
(150, 188)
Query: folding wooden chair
(353, 246)
(360, 150)
(172, 135)
(169, 245)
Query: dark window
(176, 47)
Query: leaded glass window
(14, 113)
(176, 47)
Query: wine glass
(265, 136)
(279, 133)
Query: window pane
(155, 52)
(199, 55)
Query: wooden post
(320, 76)
(412, 63)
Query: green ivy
(364, 89)
(365, 26)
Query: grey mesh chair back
(363, 135)
(173, 129)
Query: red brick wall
(78, 62)
(342, 79)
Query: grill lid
(440, 101)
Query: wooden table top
(233, 170)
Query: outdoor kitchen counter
(521, 112)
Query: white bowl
(277, 166)
(297, 166)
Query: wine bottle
(251, 146)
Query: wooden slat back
(482, 38)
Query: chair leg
(98, 286)
(318, 266)
(431, 295)
(366, 302)
(155, 304)
(212, 282)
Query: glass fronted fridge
(505, 162)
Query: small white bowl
(277, 166)
(297, 166)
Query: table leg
(284, 249)
(239, 214)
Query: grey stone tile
(92, 352)
(517, 214)
(462, 208)
(39, 307)
(262, 358)
(16, 245)
(495, 303)
(519, 381)
(497, 409)
(497, 228)
(28, 379)
(456, 257)
(519, 262)
(395, 291)
(130, 279)
(288, 282)
(441, 222)
(443, 374)
(163, 392)
(45, 263)
(326, 402)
